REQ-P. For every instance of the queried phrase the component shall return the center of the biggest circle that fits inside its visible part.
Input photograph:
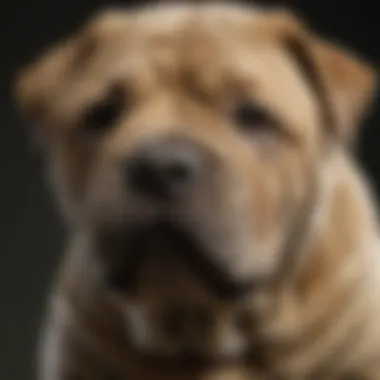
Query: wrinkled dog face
(191, 140)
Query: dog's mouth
(133, 246)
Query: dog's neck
(338, 263)
(343, 231)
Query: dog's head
(192, 142)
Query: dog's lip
(136, 242)
(187, 360)
(184, 364)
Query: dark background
(31, 235)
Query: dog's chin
(131, 247)
(173, 296)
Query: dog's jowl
(220, 227)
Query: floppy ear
(343, 83)
(38, 85)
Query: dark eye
(249, 115)
(105, 113)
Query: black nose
(165, 169)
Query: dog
(220, 226)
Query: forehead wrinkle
(173, 48)
(174, 57)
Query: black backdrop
(31, 236)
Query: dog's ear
(343, 83)
(37, 86)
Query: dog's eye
(251, 116)
(104, 114)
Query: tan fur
(179, 70)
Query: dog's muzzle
(165, 173)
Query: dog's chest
(175, 332)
